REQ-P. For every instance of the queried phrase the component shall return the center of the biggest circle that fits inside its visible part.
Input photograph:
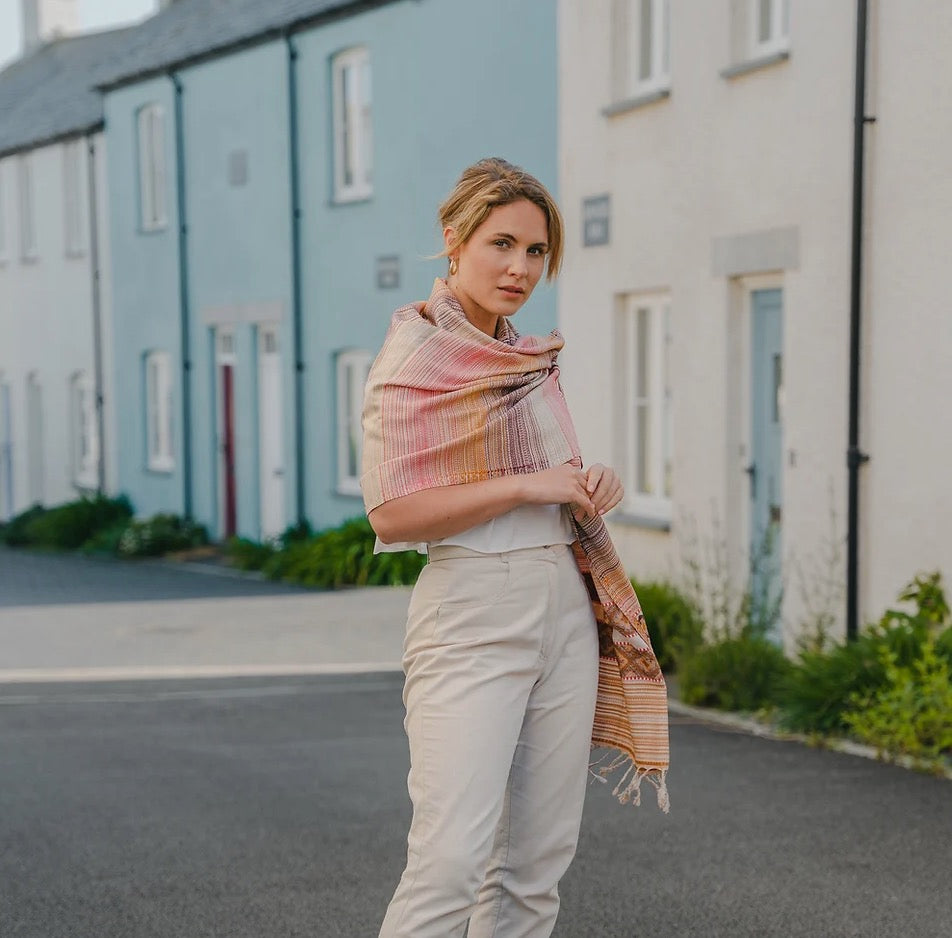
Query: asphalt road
(252, 808)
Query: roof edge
(61, 137)
(345, 9)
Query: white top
(525, 526)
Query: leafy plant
(160, 534)
(69, 526)
(248, 555)
(817, 693)
(741, 673)
(343, 556)
(14, 532)
(673, 622)
(910, 714)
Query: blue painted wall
(145, 297)
(452, 81)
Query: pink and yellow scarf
(447, 404)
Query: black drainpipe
(298, 350)
(95, 277)
(183, 299)
(854, 456)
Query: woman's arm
(436, 513)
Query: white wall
(906, 426)
(46, 318)
(721, 158)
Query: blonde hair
(492, 182)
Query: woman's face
(499, 266)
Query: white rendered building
(55, 314)
(706, 174)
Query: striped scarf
(447, 404)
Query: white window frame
(160, 456)
(73, 215)
(778, 38)
(353, 125)
(353, 366)
(84, 431)
(28, 248)
(629, 48)
(646, 394)
(153, 208)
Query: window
(72, 197)
(85, 436)
(27, 219)
(641, 36)
(353, 125)
(36, 471)
(152, 207)
(353, 367)
(769, 26)
(158, 412)
(645, 405)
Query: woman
(469, 448)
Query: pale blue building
(275, 171)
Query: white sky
(93, 14)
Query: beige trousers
(501, 662)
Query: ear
(449, 237)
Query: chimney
(45, 20)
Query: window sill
(161, 468)
(755, 64)
(29, 259)
(75, 254)
(154, 229)
(341, 199)
(349, 488)
(633, 518)
(86, 483)
(638, 101)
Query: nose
(518, 265)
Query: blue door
(766, 467)
(6, 454)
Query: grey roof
(51, 93)
(190, 30)
(56, 91)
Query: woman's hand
(561, 485)
(604, 487)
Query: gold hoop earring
(454, 266)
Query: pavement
(69, 617)
(252, 802)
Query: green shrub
(741, 673)
(69, 526)
(160, 534)
(673, 622)
(910, 714)
(14, 532)
(343, 556)
(248, 555)
(106, 540)
(816, 694)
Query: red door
(228, 448)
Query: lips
(513, 291)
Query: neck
(483, 321)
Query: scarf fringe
(629, 789)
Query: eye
(538, 250)
(501, 242)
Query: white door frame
(271, 455)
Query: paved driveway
(64, 616)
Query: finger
(595, 474)
(612, 498)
